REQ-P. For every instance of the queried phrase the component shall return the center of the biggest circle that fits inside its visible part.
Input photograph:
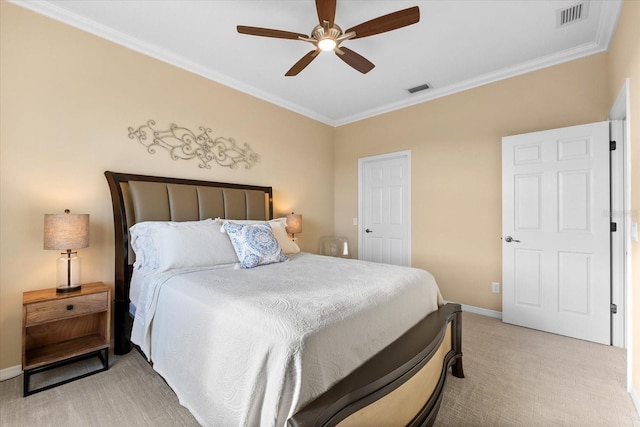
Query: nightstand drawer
(64, 308)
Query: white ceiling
(457, 45)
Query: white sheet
(250, 347)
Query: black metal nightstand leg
(102, 354)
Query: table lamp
(294, 224)
(67, 232)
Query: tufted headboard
(137, 198)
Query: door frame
(622, 286)
(618, 238)
(361, 163)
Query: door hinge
(614, 227)
(614, 308)
(612, 145)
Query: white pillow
(255, 221)
(193, 245)
(280, 232)
(254, 244)
(141, 235)
(143, 244)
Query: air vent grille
(419, 88)
(571, 14)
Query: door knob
(510, 239)
(368, 231)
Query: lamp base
(68, 272)
(64, 288)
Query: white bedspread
(250, 347)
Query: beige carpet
(514, 377)
(522, 377)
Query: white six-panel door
(385, 217)
(556, 231)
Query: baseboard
(10, 372)
(479, 310)
(635, 398)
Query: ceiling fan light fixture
(327, 44)
(327, 36)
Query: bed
(369, 344)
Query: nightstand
(62, 328)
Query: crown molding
(606, 27)
(608, 20)
(503, 74)
(57, 13)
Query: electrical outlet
(495, 287)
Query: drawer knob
(70, 307)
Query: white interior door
(385, 208)
(556, 231)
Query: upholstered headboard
(137, 198)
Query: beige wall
(67, 100)
(624, 62)
(455, 145)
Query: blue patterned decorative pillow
(254, 244)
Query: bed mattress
(245, 347)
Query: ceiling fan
(328, 35)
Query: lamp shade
(294, 223)
(66, 231)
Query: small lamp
(67, 232)
(294, 224)
(335, 246)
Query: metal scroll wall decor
(184, 144)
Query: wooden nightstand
(58, 329)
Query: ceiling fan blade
(385, 23)
(267, 32)
(355, 60)
(302, 63)
(326, 11)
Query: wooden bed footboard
(400, 386)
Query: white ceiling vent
(571, 14)
(419, 88)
